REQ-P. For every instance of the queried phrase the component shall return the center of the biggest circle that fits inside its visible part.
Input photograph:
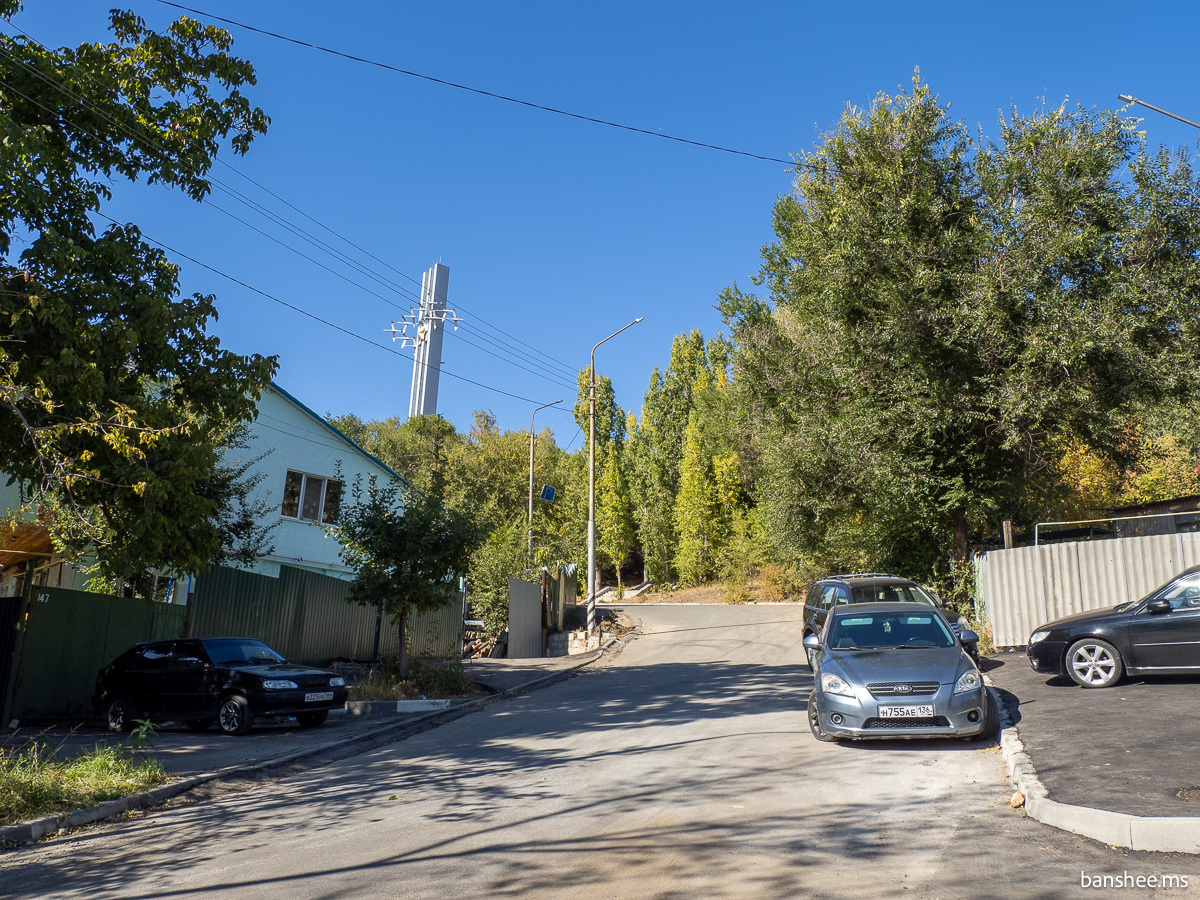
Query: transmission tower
(426, 323)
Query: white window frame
(304, 479)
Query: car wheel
(312, 719)
(811, 656)
(120, 714)
(198, 724)
(234, 716)
(991, 718)
(1093, 663)
(814, 720)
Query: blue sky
(556, 231)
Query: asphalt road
(1129, 748)
(683, 769)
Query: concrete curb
(1164, 834)
(384, 707)
(29, 832)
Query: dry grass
(709, 593)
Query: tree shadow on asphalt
(481, 783)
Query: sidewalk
(196, 758)
(1108, 763)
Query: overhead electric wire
(299, 232)
(519, 362)
(313, 316)
(474, 90)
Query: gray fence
(1029, 586)
(524, 619)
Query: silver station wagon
(893, 670)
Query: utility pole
(591, 585)
(532, 439)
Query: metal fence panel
(1029, 586)
(69, 636)
(306, 617)
(524, 619)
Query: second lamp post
(591, 576)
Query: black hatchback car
(873, 587)
(1157, 635)
(230, 681)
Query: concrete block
(1098, 824)
(1168, 834)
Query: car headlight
(835, 684)
(968, 681)
(278, 684)
(335, 681)
(1038, 636)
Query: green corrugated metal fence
(69, 636)
(305, 616)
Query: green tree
(406, 550)
(614, 512)
(697, 511)
(944, 314)
(656, 449)
(113, 397)
(422, 450)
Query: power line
(299, 232)
(463, 87)
(313, 316)
(518, 362)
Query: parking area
(1129, 748)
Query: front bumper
(292, 702)
(1046, 657)
(954, 715)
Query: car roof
(873, 577)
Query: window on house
(311, 498)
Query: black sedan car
(1157, 635)
(229, 681)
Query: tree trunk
(402, 619)
(961, 546)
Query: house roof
(341, 435)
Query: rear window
(893, 593)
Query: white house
(300, 457)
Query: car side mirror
(1158, 607)
(967, 636)
(812, 642)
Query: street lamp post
(532, 435)
(591, 582)
(1126, 98)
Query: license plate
(905, 712)
(323, 695)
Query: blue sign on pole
(547, 493)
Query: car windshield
(888, 630)
(893, 593)
(227, 652)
